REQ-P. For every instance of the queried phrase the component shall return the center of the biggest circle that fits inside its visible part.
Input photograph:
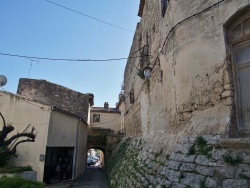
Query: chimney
(106, 105)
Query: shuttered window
(240, 42)
(242, 72)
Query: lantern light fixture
(147, 71)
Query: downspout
(77, 129)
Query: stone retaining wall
(216, 164)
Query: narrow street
(94, 177)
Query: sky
(42, 29)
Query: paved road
(94, 177)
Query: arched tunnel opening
(96, 158)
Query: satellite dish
(3, 80)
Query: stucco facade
(53, 128)
(108, 118)
(191, 90)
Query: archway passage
(95, 158)
(104, 140)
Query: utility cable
(173, 28)
(96, 123)
(91, 17)
(165, 41)
(62, 59)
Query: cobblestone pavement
(94, 177)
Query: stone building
(188, 123)
(57, 95)
(199, 54)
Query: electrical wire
(62, 59)
(106, 122)
(173, 28)
(165, 41)
(91, 17)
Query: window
(132, 98)
(239, 39)
(96, 117)
(164, 5)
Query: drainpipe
(76, 147)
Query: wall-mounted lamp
(147, 71)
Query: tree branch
(14, 148)
(4, 124)
(30, 135)
(5, 131)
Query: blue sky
(39, 28)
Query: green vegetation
(191, 150)
(181, 176)
(243, 176)
(119, 159)
(202, 183)
(15, 169)
(18, 182)
(167, 156)
(202, 147)
(231, 160)
(140, 73)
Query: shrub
(231, 160)
(15, 169)
(18, 182)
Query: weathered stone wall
(198, 162)
(55, 95)
(195, 93)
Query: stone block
(246, 174)
(207, 171)
(184, 158)
(172, 156)
(187, 167)
(227, 172)
(178, 185)
(233, 183)
(227, 78)
(174, 165)
(167, 183)
(229, 101)
(228, 87)
(218, 89)
(228, 93)
(164, 170)
(211, 183)
(173, 176)
(183, 148)
(192, 179)
(212, 139)
(218, 153)
(202, 160)
(247, 159)
(158, 186)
